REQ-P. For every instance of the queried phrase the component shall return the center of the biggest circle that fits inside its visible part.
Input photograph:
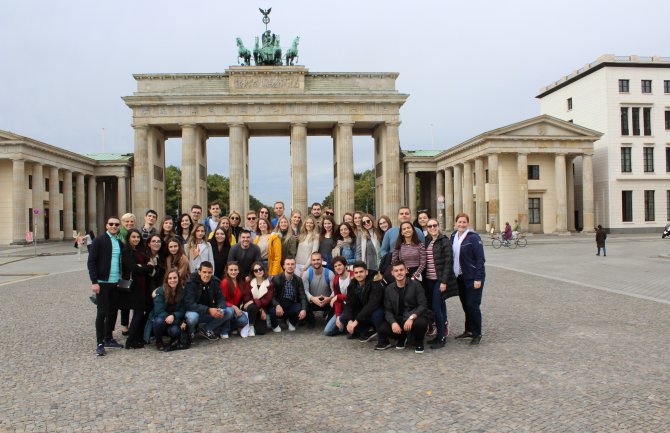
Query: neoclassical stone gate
(254, 101)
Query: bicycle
(498, 242)
(520, 240)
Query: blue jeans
(331, 329)
(193, 319)
(376, 319)
(438, 306)
(238, 322)
(291, 312)
(604, 252)
(160, 328)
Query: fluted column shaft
(54, 205)
(236, 191)
(38, 199)
(80, 192)
(19, 200)
(480, 177)
(467, 188)
(142, 179)
(189, 169)
(522, 198)
(411, 194)
(92, 207)
(561, 196)
(299, 166)
(494, 192)
(587, 192)
(458, 190)
(121, 195)
(439, 186)
(391, 167)
(100, 203)
(449, 199)
(570, 191)
(345, 168)
(67, 205)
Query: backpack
(310, 275)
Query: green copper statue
(267, 51)
(292, 53)
(243, 53)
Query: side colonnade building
(522, 171)
(71, 192)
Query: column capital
(345, 123)
(298, 123)
(561, 153)
(392, 123)
(523, 152)
(140, 127)
(587, 153)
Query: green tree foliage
(217, 189)
(364, 192)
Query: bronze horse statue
(292, 53)
(243, 53)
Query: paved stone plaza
(557, 356)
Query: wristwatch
(412, 317)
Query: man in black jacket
(288, 297)
(405, 308)
(104, 270)
(364, 307)
(205, 303)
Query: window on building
(649, 205)
(646, 120)
(486, 173)
(626, 166)
(60, 187)
(533, 172)
(666, 86)
(667, 159)
(667, 205)
(569, 104)
(60, 219)
(30, 219)
(636, 121)
(624, 121)
(627, 206)
(534, 215)
(624, 86)
(646, 86)
(648, 155)
(667, 120)
(46, 184)
(30, 181)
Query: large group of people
(216, 277)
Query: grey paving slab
(556, 357)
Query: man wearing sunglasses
(252, 223)
(104, 270)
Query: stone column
(200, 168)
(100, 203)
(92, 208)
(189, 169)
(587, 192)
(391, 168)
(570, 193)
(67, 205)
(142, 179)
(299, 166)
(522, 181)
(54, 205)
(480, 177)
(449, 199)
(467, 189)
(246, 169)
(458, 190)
(236, 190)
(345, 168)
(38, 199)
(561, 196)
(494, 192)
(80, 191)
(19, 209)
(439, 186)
(121, 195)
(411, 194)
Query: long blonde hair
(311, 235)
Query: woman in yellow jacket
(270, 245)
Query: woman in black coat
(439, 279)
(134, 266)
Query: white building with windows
(628, 100)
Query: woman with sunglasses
(256, 298)
(198, 250)
(235, 223)
(264, 213)
(184, 228)
(167, 316)
(327, 240)
(220, 245)
(176, 259)
(133, 265)
(367, 243)
(439, 280)
(270, 246)
(308, 243)
(232, 287)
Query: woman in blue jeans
(439, 280)
(169, 310)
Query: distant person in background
(601, 235)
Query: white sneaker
(224, 335)
(252, 331)
(291, 328)
(277, 329)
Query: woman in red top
(232, 287)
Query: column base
(562, 233)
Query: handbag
(124, 285)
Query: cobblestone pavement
(556, 357)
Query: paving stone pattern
(555, 357)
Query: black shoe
(100, 350)
(351, 336)
(466, 334)
(208, 334)
(475, 340)
(400, 345)
(134, 344)
(418, 349)
(382, 345)
(438, 343)
(367, 336)
(112, 344)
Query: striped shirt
(431, 272)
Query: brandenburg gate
(258, 101)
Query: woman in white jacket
(198, 250)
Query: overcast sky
(468, 66)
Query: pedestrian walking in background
(601, 235)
